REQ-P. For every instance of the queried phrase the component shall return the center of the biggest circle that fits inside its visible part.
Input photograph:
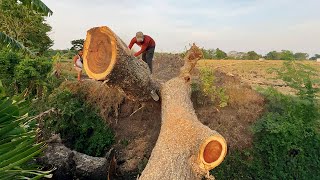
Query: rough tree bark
(71, 164)
(185, 149)
(106, 57)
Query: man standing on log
(147, 45)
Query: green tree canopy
(286, 55)
(315, 57)
(77, 44)
(251, 55)
(301, 56)
(219, 54)
(23, 27)
(208, 53)
(273, 55)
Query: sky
(240, 25)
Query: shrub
(19, 73)
(287, 141)
(287, 138)
(78, 124)
(207, 89)
(8, 62)
(300, 77)
(236, 166)
(32, 74)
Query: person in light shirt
(78, 63)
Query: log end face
(212, 152)
(100, 52)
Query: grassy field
(253, 72)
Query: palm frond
(17, 142)
(38, 5)
(13, 43)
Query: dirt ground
(254, 72)
(233, 122)
(136, 126)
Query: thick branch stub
(190, 60)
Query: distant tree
(315, 57)
(273, 55)
(301, 56)
(251, 55)
(208, 53)
(77, 44)
(286, 55)
(237, 55)
(219, 54)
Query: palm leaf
(17, 143)
(38, 5)
(2, 91)
(13, 43)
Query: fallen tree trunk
(185, 149)
(106, 57)
(70, 164)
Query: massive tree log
(106, 57)
(185, 149)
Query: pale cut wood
(107, 58)
(185, 149)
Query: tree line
(252, 55)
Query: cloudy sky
(241, 25)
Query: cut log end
(107, 57)
(100, 52)
(212, 152)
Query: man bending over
(147, 45)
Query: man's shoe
(154, 95)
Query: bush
(19, 73)
(236, 166)
(287, 138)
(206, 89)
(78, 124)
(8, 62)
(286, 143)
(32, 74)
